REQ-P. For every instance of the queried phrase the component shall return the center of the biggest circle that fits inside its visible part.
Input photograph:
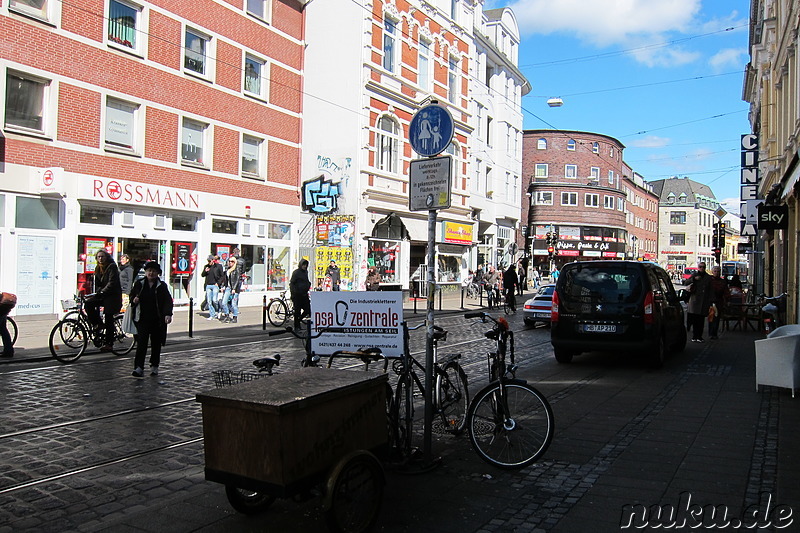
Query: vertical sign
(35, 279)
(183, 261)
(749, 184)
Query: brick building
(162, 130)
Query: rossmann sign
(130, 192)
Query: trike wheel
(354, 493)
(68, 340)
(248, 501)
(277, 312)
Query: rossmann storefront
(178, 228)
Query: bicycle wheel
(404, 409)
(68, 340)
(510, 430)
(277, 312)
(354, 493)
(12, 329)
(123, 342)
(452, 397)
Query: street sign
(431, 130)
(430, 183)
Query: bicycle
(279, 310)
(509, 302)
(510, 423)
(450, 393)
(13, 331)
(70, 337)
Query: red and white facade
(163, 130)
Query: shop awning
(417, 229)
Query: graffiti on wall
(320, 195)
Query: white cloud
(728, 58)
(607, 22)
(651, 141)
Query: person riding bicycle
(510, 282)
(108, 294)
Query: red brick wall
(161, 135)
(79, 116)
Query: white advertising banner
(35, 280)
(354, 320)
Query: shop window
(254, 276)
(92, 214)
(384, 256)
(277, 267)
(280, 231)
(184, 222)
(449, 268)
(229, 227)
(37, 213)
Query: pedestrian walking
(233, 286)
(152, 313)
(492, 278)
(510, 282)
(522, 274)
(537, 278)
(7, 302)
(335, 275)
(108, 294)
(373, 279)
(125, 278)
(720, 293)
(699, 302)
(213, 274)
(299, 285)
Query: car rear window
(608, 284)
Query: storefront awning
(417, 229)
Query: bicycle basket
(66, 305)
(225, 378)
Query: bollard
(462, 297)
(415, 306)
(439, 290)
(191, 316)
(480, 296)
(264, 314)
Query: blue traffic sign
(431, 130)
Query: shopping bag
(128, 325)
(7, 302)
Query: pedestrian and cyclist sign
(431, 130)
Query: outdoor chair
(778, 358)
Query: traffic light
(717, 254)
(721, 240)
(715, 236)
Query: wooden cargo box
(281, 432)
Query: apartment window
(195, 53)
(571, 145)
(544, 198)
(677, 239)
(424, 65)
(610, 177)
(541, 170)
(620, 204)
(682, 198)
(594, 173)
(595, 148)
(387, 145)
(541, 144)
(570, 171)
(123, 20)
(489, 75)
(389, 44)
(608, 202)
(677, 217)
(671, 198)
(569, 198)
(452, 80)
(489, 130)
(193, 139)
(592, 200)
(454, 10)
(25, 101)
(121, 124)
(36, 8)
(252, 158)
(258, 8)
(255, 76)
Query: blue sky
(664, 77)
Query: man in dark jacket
(510, 282)
(333, 272)
(699, 301)
(125, 277)
(214, 277)
(152, 313)
(299, 285)
(108, 294)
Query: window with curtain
(192, 141)
(37, 8)
(251, 156)
(122, 21)
(120, 124)
(25, 97)
(254, 76)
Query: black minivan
(617, 306)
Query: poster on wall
(323, 256)
(183, 255)
(35, 282)
(91, 248)
(353, 320)
(335, 230)
(223, 252)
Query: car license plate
(543, 314)
(600, 328)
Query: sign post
(430, 133)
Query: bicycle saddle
(266, 363)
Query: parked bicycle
(773, 311)
(510, 423)
(279, 310)
(70, 337)
(450, 393)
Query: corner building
(161, 130)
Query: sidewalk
(34, 331)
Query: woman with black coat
(152, 303)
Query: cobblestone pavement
(87, 448)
